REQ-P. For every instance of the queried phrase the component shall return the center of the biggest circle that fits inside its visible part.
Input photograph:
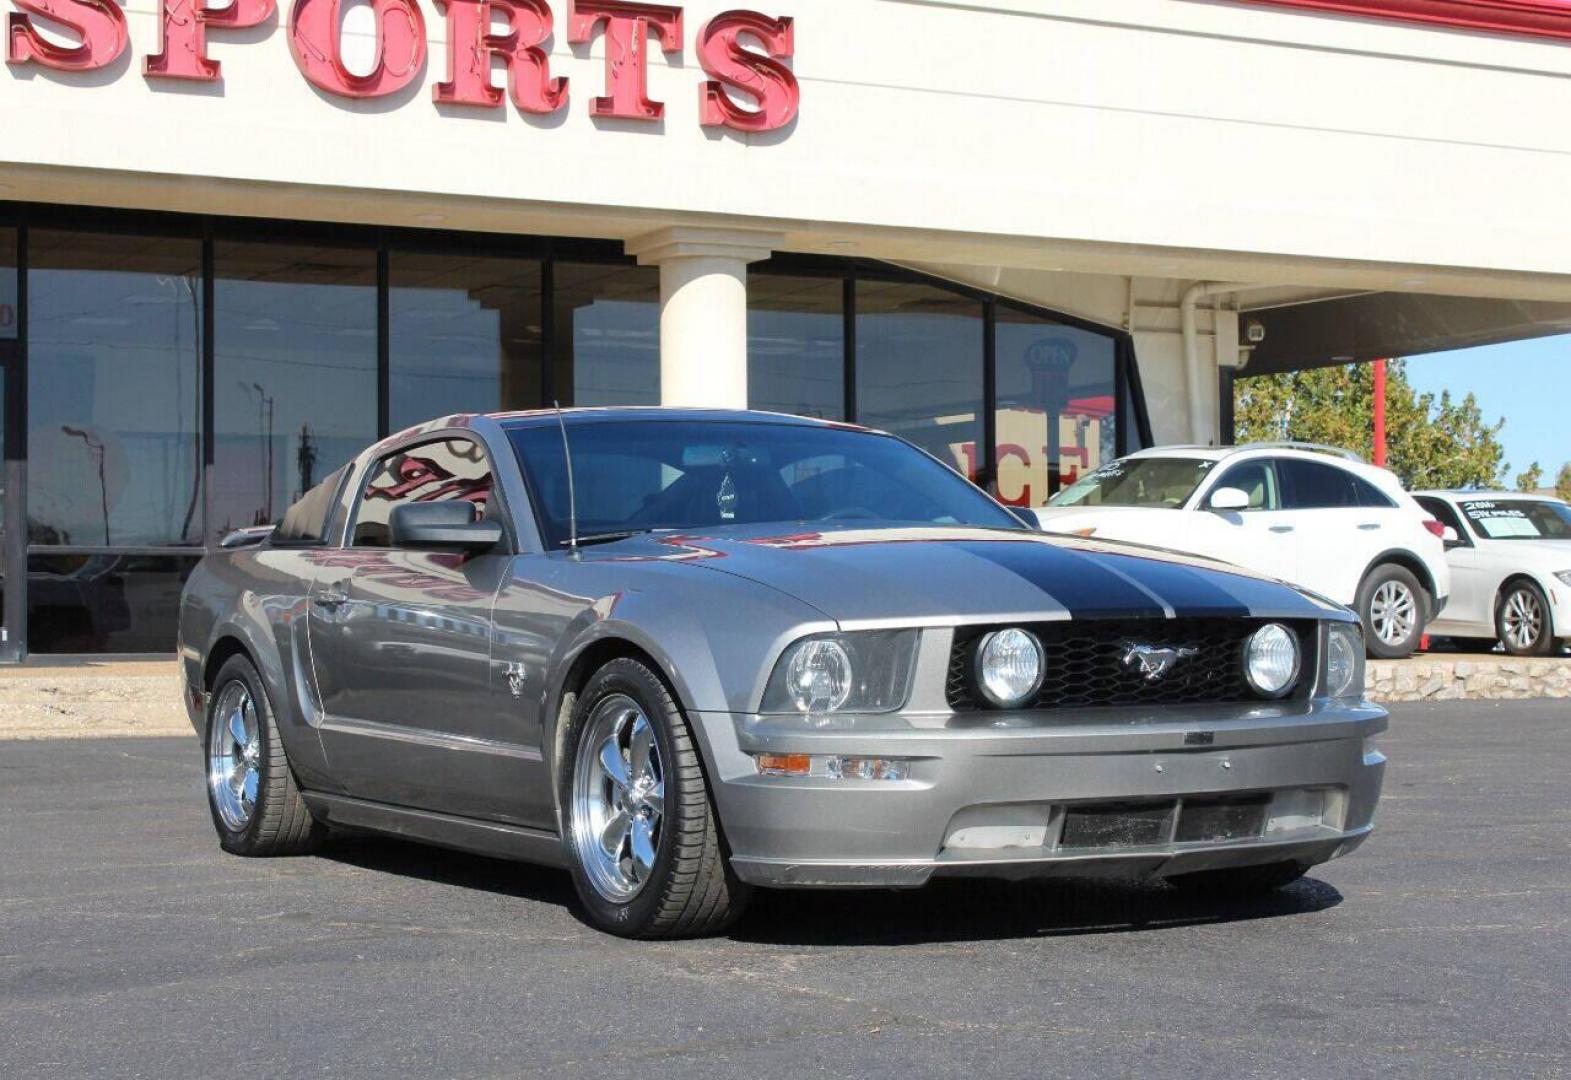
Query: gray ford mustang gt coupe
(685, 654)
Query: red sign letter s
(761, 77)
(100, 24)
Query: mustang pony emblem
(1152, 662)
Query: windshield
(1517, 519)
(647, 475)
(1154, 482)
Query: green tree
(1431, 442)
(1529, 480)
(1563, 482)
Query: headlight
(1271, 660)
(1009, 667)
(1564, 575)
(865, 671)
(1344, 661)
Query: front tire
(1391, 606)
(642, 837)
(251, 792)
(1522, 620)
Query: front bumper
(1117, 792)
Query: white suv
(1315, 516)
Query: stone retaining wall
(144, 699)
(1436, 677)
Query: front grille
(1086, 668)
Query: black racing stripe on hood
(1186, 590)
(1087, 589)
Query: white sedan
(1510, 569)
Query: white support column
(703, 310)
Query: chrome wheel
(618, 798)
(1522, 620)
(1393, 613)
(234, 756)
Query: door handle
(333, 596)
(1281, 528)
(1370, 526)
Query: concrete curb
(78, 703)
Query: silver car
(687, 654)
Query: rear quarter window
(305, 522)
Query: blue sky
(1527, 382)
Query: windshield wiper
(607, 538)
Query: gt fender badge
(516, 679)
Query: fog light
(1009, 667)
(1271, 660)
(833, 767)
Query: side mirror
(452, 526)
(1227, 499)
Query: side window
(305, 523)
(1441, 511)
(1369, 496)
(1258, 480)
(1313, 486)
(439, 471)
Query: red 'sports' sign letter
(183, 25)
(627, 27)
(400, 47)
(99, 26)
(761, 77)
(470, 46)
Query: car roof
(529, 418)
(625, 413)
(1458, 494)
(1308, 451)
(1299, 451)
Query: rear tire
(1522, 620)
(251, 792)
(1238, 882)
(642, 838)
(1391, 605)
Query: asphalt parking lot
(131, 946)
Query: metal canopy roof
(1382, 325)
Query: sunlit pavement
(131, 946)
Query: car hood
(941, 575)
(1550, 555)
(1112, 519)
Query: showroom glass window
(1057, 396)
(464, 335)
(294, 381)
(114, 390)
(919, 368)
(607, 319)
(796, 345)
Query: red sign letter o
(400, 47)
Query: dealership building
(239, 243)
